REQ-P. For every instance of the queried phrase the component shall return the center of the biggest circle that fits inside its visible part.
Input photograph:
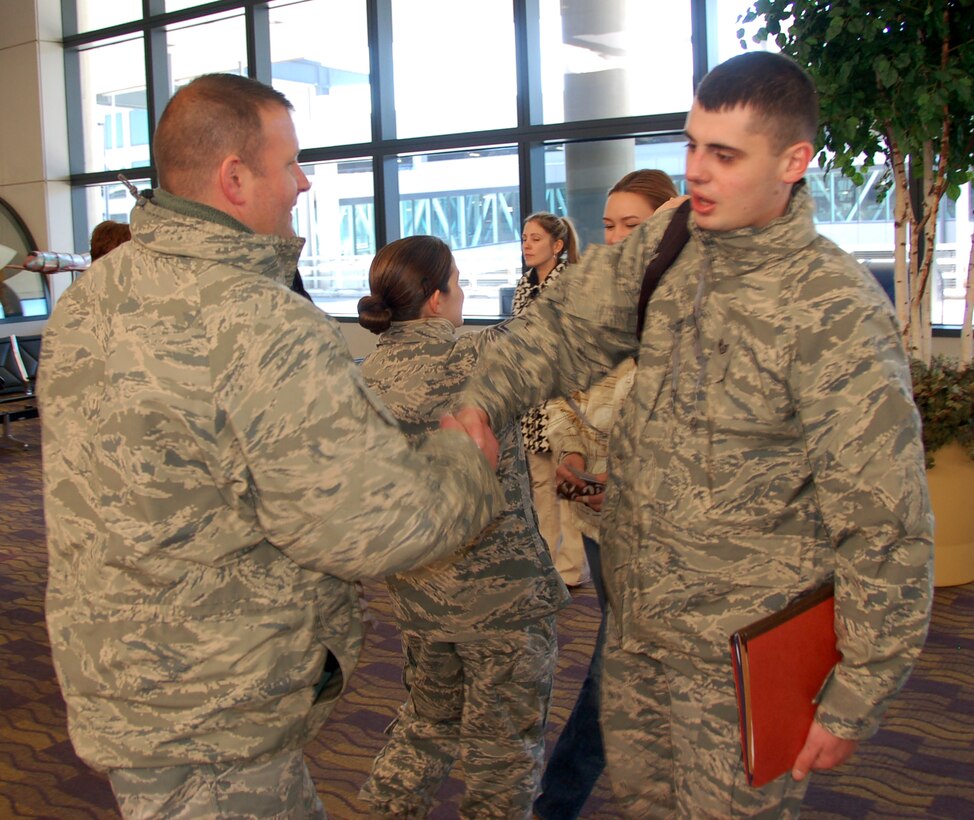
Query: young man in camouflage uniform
(217, 477)
(770, 442)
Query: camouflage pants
(672, 741)
(280, 788)
(484, 703)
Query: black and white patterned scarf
(534, 422)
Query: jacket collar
(197, 210)
(746, 249)
(176, 226)
(418, 330)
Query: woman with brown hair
(478, 629)
(578, 432)
(107, 236)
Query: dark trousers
(578, 757)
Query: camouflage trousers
(280, 788)
(673, 743)
(484, 703)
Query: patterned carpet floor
(920, 764)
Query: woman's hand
(568, 471)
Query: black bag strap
(676, 235)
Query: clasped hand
(474, 422)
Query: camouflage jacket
(217, 476)
(505, 578)
(770, 441)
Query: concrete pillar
(33, 140)
(591, 168)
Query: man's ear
(796, 159)
(232, 182)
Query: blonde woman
(478, 628)
(548, 244)
(578, 434)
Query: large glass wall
(419, 116)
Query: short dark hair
(402, 277)
(212, 117)
(778, 91)
(107, 236)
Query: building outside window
(458, 129)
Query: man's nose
(695, 167)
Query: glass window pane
(96, 14)
(614, 58)
(856, 219)
(22, 294)
(115, 123)
(179, 5)
(725, 22)
(111, 201)
(578, 175)
(217, 43)
(323, 69)
(955, 226)
(336, 217)
(469, 199)
(454, 66)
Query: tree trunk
(925, 232)
(967, 331)
(902, 220)
(915, 327)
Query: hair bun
(374, 314)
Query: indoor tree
(896, 79)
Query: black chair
(18, 373)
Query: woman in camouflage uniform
(478, 630)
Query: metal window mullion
(257, 24)
(69, 17)
(530, 111)
(527, 56)
(703, 21)
(531, 180)
(385, 171)
(158, 79)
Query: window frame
(529, 136)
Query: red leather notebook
(780, 663)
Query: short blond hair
(209, 119)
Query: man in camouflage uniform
(217, 477)
(770, 442)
